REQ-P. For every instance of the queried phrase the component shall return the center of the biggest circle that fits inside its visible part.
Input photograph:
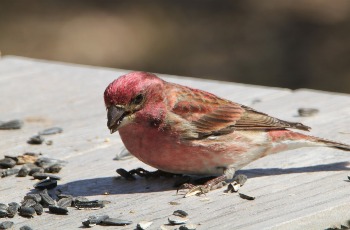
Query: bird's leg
(212, 184)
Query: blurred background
(294, 44)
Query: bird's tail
(297, 140)
(333, 144)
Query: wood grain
(300, 189)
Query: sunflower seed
(9, 172)
(35, 197)
(143, 225)
(180, 213)
(35, 170)
(175, 220)
(307, 112)
(3, 210)
(65, 202)
(79, 199)
(25, 227)
(243, 196)
(28, 203)
(12, 209)
(13, 124)
(36, 140)
(232, 187)
(46, 184)
(94, 204)
(42, 176)
(62, 195)
(7, 163)
(115, 222)
(27, 158)
(45, 162)
(38, 209)
(56, 168)
(6, 225)
(15, 158)
(50, 131)
(58, 210)
(24, 171)
(93, 220)
(240, 179)
(188, 227)
(26, 211)
(46, 199)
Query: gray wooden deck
(300, 189)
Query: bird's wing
(210, 114)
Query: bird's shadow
(117, 185)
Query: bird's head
(129, 96)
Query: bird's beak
(115, 115)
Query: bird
(183, 130)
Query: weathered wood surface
(300, 189)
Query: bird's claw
(194, 189)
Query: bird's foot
(129, 175)
(212, 184)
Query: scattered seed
(7, 163)
(307, 112)
(125, 174)
(123, 155)
(27, 211)
(174, 203)
(36, 140)
(24, 171)
(28, 203)
(58, 210)
(35, 170)
(188, 227)
(46, 184)
(6, 225)
(13, 124)
(42, 176)
(65, 202)
(50, 131)
(3, 210)
(12, 209)
(46, 199)
(142, 225)
(25, 227)
(240, 179)
(93, 220)
(38, 209)
(94, 204)
(46, 162)
(233, 187)
(9, 172)
(62, 195)
(49, 142)
(79, 199)
(27, 158)
(55, 168)
(115, 222)
(35, 197)
(176, 220)
(246, 196)
(15, 158)
(180, 213)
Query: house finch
(182, 130)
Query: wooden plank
(294, 189)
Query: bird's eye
(138, 99)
